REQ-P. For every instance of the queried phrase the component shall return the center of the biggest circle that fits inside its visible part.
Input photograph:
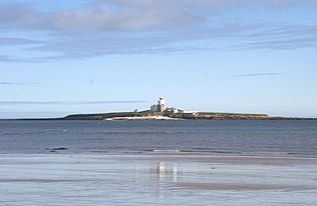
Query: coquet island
(158, 103)
(161, 111)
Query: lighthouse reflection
(165, 173)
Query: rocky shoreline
(147, 115)
(143, 118)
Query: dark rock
(59, 148)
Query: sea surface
(243, 137)
(142, 163)
(137, 180)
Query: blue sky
(86, 56)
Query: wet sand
(228, 186)
(156, 179)
(240, 187)
(222, 159)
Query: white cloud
(104, 18)
(19, 15)
(177, 3)
(144, 26)
(16, 41)
(123, 15)
(289, 2)
(209, 3)
(97, 17)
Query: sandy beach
(156, 179)
(150, 117)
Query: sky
(90, 56)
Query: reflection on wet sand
(155, 180)
(167, 177)
(240, 187)
(22, 180)
(165, 174)
(162, 171)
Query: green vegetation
(233, 114)
(213, 115)
(102, 116)
(185, 115)
(199, 115)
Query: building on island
(161, 107)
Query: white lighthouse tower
(160, 106)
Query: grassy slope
(102, 116)
(200, 115)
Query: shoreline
(165, 119)
(153, 117)
(175, 155)
(149, 179)
(211, 160)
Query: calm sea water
(296, 138)
(31, 174)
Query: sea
(239, 137)
(136, 163)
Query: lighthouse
(160, 106)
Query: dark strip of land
(148, 115)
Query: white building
(160, 106)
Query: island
(160, 111)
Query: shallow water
(295, 138)
(88, 179)
(158, 163)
